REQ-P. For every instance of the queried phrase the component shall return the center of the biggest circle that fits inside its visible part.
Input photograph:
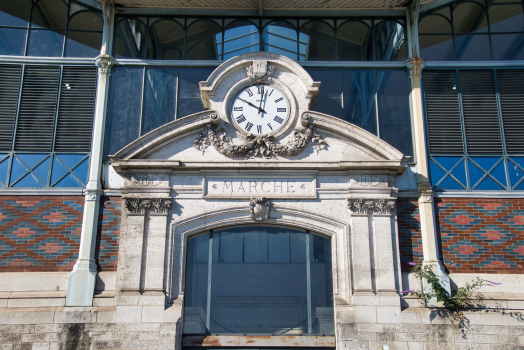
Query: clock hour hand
(261, 98)
(249, 103)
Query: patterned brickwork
(106, 251)
(481, 235)
(410, 239)
(39, 233)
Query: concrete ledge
(258, 340)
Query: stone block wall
(39, 233)
(410, 238)
(481, 235)
(106, 250)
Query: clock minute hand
(249, 103)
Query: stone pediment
(203, 140)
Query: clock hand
(249, 103)
(262, 110)
(262, 95)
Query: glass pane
(160, 98)
(278, 248)
(231, 247)
(31, 160)
(17, 170)
(58, 171)
(470, 17)
(86, 20)
(201, 40)
(240, 37)
(390, 41)
(4, 165)
(359, 99)
(166, 41)
(320, 39)
(42, 171)
(436, 173)
(436, 47)
(434, 24)
(448, 184)
(69, 181)
(46, 43)
(81, 171)
(321, 286)
(13, 41)
(475, 174)
(394, 114)
(125, 101)
(83, 44)
(195, 293)
(130, 39)
(508, 46)
(329, 99)
(515, 166)
(14, 13)
(499, 173)
(70, 160)
(281, 38)
(29, 181)
(506, 18)
(488, 184)
(460, 173)
(189, 101)
(51, 14)
(256, 247)
(472, 48)
(354, 42)
(485, 162)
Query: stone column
(136, 219)
(384, 262)
(360, 243)
(82, 280)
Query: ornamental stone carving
(105, 64)
(260, 146)
(157, 206)
(383, 207)
(259, 71)
(359, 206)
(259, 208)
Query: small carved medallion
(259, 208)
(157, 206)
(260, 71)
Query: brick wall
(481, 235)
(410, 239)
(39, 233)
(106, 251)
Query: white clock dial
(260, 109)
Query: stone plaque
(260, 186)
(368, 181)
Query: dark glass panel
(125, 102)
(281, 38)
(166, 41)
(472, 48)
(130, 39)
(240, 37)
(12, 41)
(354, 42)
(390, 41)
(329, 99)
(359, 99)
(46, 43)
(320, 39)
(86, 20)
(470, 17)
(436, 47)
(83, 44)
(195, 291)
(508, 46)
(51, 14)
(506, 18)
(14, 13)
(189, 100)
(159, 98)
(321, 285)
(434, 24)
(201, 40)
(394, 115)
(515, 166)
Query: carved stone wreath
(259, 208)
(263, 146)
(361, 206)
(158, 206)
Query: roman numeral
(279, 99)
(271, 92)
(259, 129)
(241, 119)
(269, 125)
(278, 119)
(249, 126)
(239, 108)
(259, 88)
(249, 92)
(281, 109)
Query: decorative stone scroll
(259, 208)
(157, 206)
(260, 71)
(361, 206)
(263, 146)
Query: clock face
(260, 109)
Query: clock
(260, 109)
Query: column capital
(383, 207)
(105, 64)
(415, 65)
(359, 206)
(157, 206)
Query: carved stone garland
(158, 206)
(361, 206)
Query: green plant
(462, 298)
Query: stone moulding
(263, 146)
(361, 206)
(259, 208)
(157, 206)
